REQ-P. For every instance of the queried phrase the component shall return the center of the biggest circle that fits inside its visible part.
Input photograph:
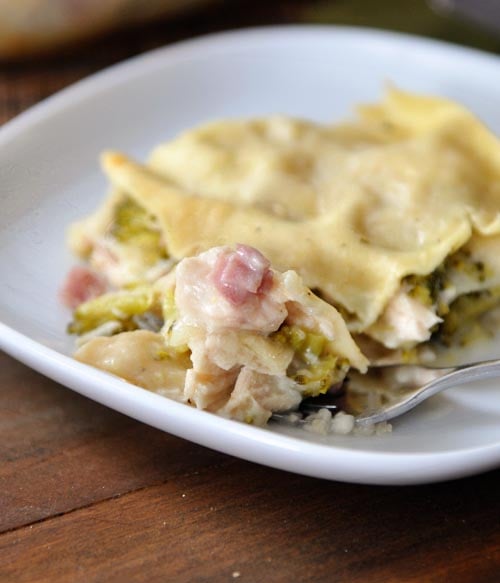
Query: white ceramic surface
(49, 176)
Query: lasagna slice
(393, 217)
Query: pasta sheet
(352, 208)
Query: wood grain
(87, 494)
(60, 451)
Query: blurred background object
(449, 20)
(28, 27)
(485, 13)
(46, 45)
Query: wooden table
(87, 494)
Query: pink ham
(229, 288)
(242, 274)
(81, 284)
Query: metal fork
(400, 388)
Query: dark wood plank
(267, 525)
(60, 451)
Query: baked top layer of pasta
(370, 213)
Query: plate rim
(429, 467)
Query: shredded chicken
(405, 321)
(229, 305)
(229, 302)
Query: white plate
(50, 176)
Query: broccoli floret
(133, 225)
(464, 314)
(119, 307)
(313, 366)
